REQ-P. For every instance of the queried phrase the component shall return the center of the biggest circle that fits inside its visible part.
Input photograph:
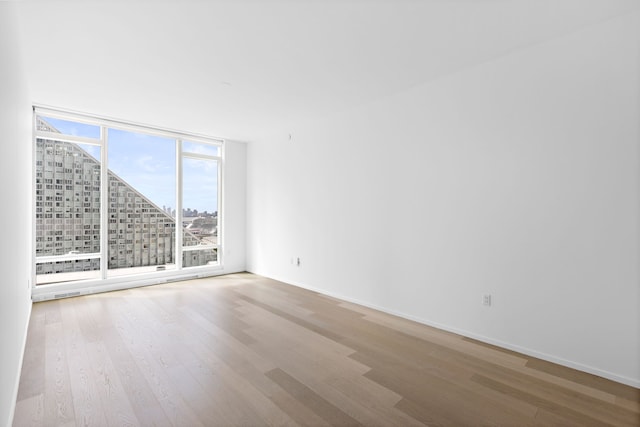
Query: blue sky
(148, 164)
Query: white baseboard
(633, 382)
(73, 289)
(16, 386)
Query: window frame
(46, 291)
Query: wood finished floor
(243, 350)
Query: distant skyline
(148, 164)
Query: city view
(141, 234)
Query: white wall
(234, 199)
(518, 177)
(15, 172)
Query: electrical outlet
(298, 262)
(486, 299)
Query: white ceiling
(240, 69)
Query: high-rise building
(68, 203)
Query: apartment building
(67, 204)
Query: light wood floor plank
(310, 399)
(244, 350)
(30, 411)
(32, 380)
(86, 400)
(58, 403)
(152, 351)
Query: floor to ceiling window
(117, 202)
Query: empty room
(320, 213)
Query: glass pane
(142, 170)
(66, 271)
(67, 198)
(67, 127)
(200, 257)
(200, 202)
(200, 148)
